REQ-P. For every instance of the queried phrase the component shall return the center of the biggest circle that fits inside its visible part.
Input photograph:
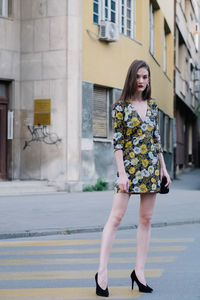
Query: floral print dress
(140, 142)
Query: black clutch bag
(163, 188)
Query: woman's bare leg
(119, 207)
(147, 202)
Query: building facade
(61, 68)
(40, 59)
(187, 88)
(114, 34)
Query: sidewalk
(55, 213)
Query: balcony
(181, 22)
(186, 90)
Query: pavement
(70, 213)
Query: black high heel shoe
(99, 290)
(142, 288)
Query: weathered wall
(96, 155)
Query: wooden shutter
(100, 112)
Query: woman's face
(142, 79)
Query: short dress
(140, 143)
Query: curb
(69, 231)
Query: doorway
(3, 129)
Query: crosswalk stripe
(78, 267)
(92, 250)
(54, 261)
(85, 242)
(80, 274)
(124, 292)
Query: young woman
(140, 165)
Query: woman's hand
(123, 182)
(163, 172)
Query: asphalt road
(63, 266)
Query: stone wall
(43, 76)
(40, 54)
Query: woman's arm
(123, 181)
(118, 143)
(163, 169)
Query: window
(5, 8)
(151, 28)
(104, 10)
(96, 11)
(102, 112)
(165, 52)
(170, 135)
(109, 10)
(166, 133)
(127, 18)
(165, 46)
(196, 36)
(154, 24)
(2, 90)
(121, 12)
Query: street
(63, 266)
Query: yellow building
(115, 32)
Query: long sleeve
(156, 133)
(118, 131)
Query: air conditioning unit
(108, 31)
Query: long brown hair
(130, 85)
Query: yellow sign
(42, 112)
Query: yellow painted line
(81, 274)
(123, 292)
(172, 240)
(84, 242)
(167, 248)
(92, 250)
(54, 261)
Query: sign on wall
(42, 112)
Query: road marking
(85, 242)
(123, 292)
(55, 261)
(80, 274)
(78, 265)
(92, 250)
